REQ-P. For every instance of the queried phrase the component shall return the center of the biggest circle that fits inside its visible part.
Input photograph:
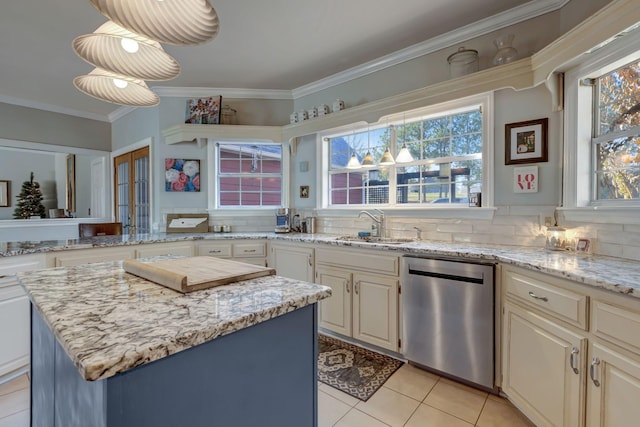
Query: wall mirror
(73, 181)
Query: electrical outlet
(548, 221)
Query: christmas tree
(29, 201)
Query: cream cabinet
(164, 249)
(14, 313)
(543, 368)
(90, 255)
(364, 300)
(570, 353)
(292, 260)
(613, 387)
(249, 251)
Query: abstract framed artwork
(182, 175)
(526, 142)
(205, 111)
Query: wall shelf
(544, 67)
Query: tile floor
(411, 398)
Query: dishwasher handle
(454, 277)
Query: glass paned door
(132, 206)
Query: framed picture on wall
(5, 196)
(71, 183)
(526, 142)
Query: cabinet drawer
(249, 250)
(616, 325)
(215, 249)
(371, 263)
(164, 249)
(534, 291)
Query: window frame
(578, 203)
(214, 194)
(484, 100)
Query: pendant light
(116, 88)
(120, 51)
(404, 156)
(368, 161)
(175, 22)
(353, 163)
(387, 158)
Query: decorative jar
(506, 53)
(556, 239)
(323, 110)
(227, 115)
(338, 105)
(464, 61)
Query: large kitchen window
(602, 136)
(445, 165)
(616, 134)
(249, 175)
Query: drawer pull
(215, 251)
(249, 251)
(346, 285)
(592, 371)
(532, 295)
(574, 351)
(356, 287)
(310, 262)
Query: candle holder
(556, 238)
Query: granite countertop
(109, 321)
(614, 274)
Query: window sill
(440, 212)
(603, 215)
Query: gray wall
(29, 124)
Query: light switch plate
(304, 166)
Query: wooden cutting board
(195, 273)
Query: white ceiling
(262, 44)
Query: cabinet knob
(574, 351)
(592, 371)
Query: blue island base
(264, 375)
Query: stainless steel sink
(381, 240)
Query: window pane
(619, 99)
(254, 167)
(618, 174)
(440, 170)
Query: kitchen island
(113, 349)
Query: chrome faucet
(379, 219)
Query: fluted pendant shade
(176, 22)
(117, 89)
(120, 51)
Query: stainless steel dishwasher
(448, 317)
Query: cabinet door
(538, 376)
(14, 326)
(291, 262)
(613, 388)
(185, 249)
(78, 257)
(335, 311)
(375, 310)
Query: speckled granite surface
(614, 274)
(110, 321)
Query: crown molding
(200, 92)
(513, 16)
(52, 108)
